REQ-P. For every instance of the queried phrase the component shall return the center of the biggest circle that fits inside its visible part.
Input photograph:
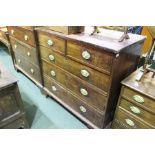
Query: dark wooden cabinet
(12, 113)
(136, 105)
(83, 72)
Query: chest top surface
(146, 86)
(6, 78)
(106, 39)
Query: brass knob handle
(32, 71)
(83, 92)
(50, 42)
(15, 46)
(28, 54)
(53, 73)
(19, 61)
(84, 73)
(51, 57)
(135, 110)
(86, 55)
(83, 109)
(26, 37)
(12, 31)
(130, 122)
(54, 88)
(138, 99)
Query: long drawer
(100, 60)
(137, 111)
(88, 74)
(28, 52)
(30, 69)
(74, 102)
(22, 34)
(79, 87)
(127, 120)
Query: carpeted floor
(41, 112)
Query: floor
(41, 112)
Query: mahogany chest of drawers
(136, 105)
(25, 52)
(12, 115)
(83, 72)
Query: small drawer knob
(135, 110)
(83, 92)
(19, 61)
(15, 46)
(138, 99)
(51, 57)
(54, 88)
(32, 71)
(130, 122)
(84, 73)
(53, 73)
(50, 42)
(26, 37)
(12, 31)
(86, 55)
(28, 54)
(83, 109)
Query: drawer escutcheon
(12, 31)
(84, 73)
(83, 92)
(83, 109)
(135, 110)
(130, 122)
(15, 46)
(32, 71)
(26, 37)
(86, 55)
(138, 99)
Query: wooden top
(6, 78)
(107, 39)
(146, 86)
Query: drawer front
(79, 87)
(30, 69)
(92, 76)
(28, 52)
(74, 103)
(3, 36)
(128, 121)
(52, 42)
(100, 60)
(22, 34)
(137, 111)
(139, 99)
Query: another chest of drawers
(136, 106)
(83, 72)
(25, 51)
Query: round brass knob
(83, 92)
(19, 61)
(86, 55)
(84, 73)
(53, 73)
(51, 57)
(26, 37)
(50, 42)
(12, 31)
(28, 54)
(15, 46)
(83, 109)
(54, 88)
(32, 71)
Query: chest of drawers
(12, 114)
(136, 105)
(83, 72)
(25, 51)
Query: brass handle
(138, 99)
(15, 46)
(12, 31)
(50, 42)
(86, 55)
(28, 54)
(135, 110)
(19, 61)
(130, 122)
(54, 88)
(83, 92)
(51, 57)
(53, 73)
(32, 71)
(26, 37)
(84, 73)
(83, 109)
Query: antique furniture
(12, 114)
(24, 46)
(136, 105)
(4, 36)
(83, 72)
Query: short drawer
(98, 59)
(139, 99)
(83, 90)
(73, 103)
(30, 69)
(137, 111)
(28, 52)
(126, 120)
(53, 42)
(22, 34)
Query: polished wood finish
(137, 99)
(105, 62)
